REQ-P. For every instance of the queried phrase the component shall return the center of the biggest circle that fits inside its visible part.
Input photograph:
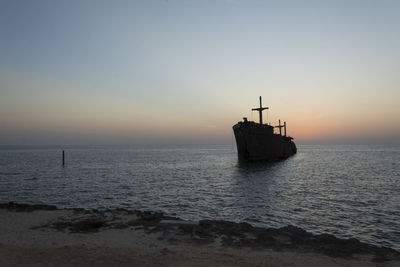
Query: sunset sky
(100, 72)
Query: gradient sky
(76, 72)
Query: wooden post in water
(63, 158)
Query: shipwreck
(259, 142)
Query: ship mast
(260, 109)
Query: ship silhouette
(258, 142)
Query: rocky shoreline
(229, 234)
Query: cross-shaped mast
(260, 109)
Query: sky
(105, 72)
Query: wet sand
(42, 235)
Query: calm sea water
(348, 191)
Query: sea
(350, 191)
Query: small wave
(10, 173)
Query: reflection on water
(251, 167)
(349, 191)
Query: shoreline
(31, 233)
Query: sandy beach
(41, 235)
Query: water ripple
(349, 191)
